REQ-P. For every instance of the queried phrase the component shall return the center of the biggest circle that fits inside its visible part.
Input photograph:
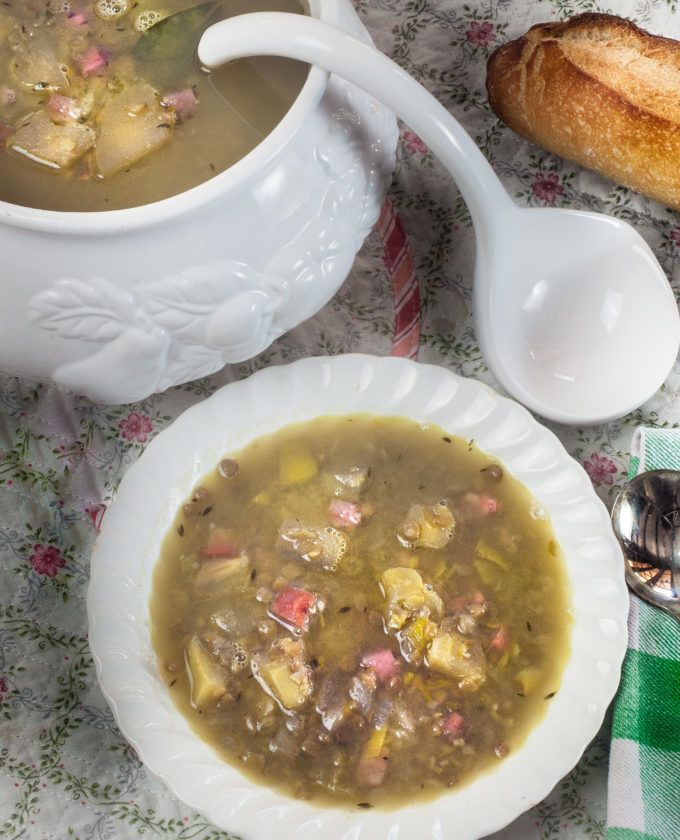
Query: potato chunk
(34, 62)
(284, 673)
(458, 657)
(131, 124)
(46, 142)
(428, 527)
(404, 594)
(208, 679)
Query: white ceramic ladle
(573, 313)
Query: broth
(75, 89)
(358, 609)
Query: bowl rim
(231, 179)
(144, 507)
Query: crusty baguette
(599, 91)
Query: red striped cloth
(399, 263)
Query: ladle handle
(333, 49)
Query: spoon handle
(333, 49)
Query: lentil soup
(355, 610)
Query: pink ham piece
(344, 514)
(182, 102)
(453, 724)
(93, 61)
(383, 663)
(63, 109)
(76, 19)
(480, 504)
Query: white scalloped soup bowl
(143, 510)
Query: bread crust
(599, 91)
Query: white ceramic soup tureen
(122, 304)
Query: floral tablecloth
(65, 770)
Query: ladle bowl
(573, 313)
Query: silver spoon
(646, 520)
(573, 313)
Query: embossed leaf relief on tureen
(172, 329)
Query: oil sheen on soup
(103, 106)
(357, 609)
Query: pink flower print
(4, 688)
(600, 469)
(675, 236)
(136, 427)
(481, 34)
(46, 560)
(414, 144)
(547, 187)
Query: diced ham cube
(371, 771)
(453, 724)
(63, 109)
(182, 102)
(76, 19)
(383, 663)
(500, 639)
(344, 514)
(8, 96)
(6, 131)
(480, 504)
(93, 61)
(220, 543)
(294, 607)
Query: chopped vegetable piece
(428, 527)
(355, 478)
(131, 125)
(415, 637)
(459, 657)
(295, 607)
(404, 593)
(488, 552)
(208, 680)
(58, 146)
(375, 742)
(217, 569)
(323, 547)
(434, 604)
(296, 464)
(528, 679)
(35, 63)
(284, 674)
(344, 513)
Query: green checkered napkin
(644, 769)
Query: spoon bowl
(646, 521)
(558, 294)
